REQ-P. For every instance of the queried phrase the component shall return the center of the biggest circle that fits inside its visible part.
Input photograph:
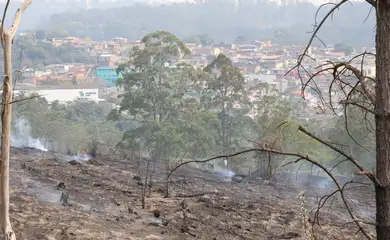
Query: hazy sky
(316, 2)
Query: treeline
(223, 20)
(176, 111)
(68, 128)
(173, 111)
(33, 53)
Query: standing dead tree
(355, 89)
(7, 36)
(273, 141)
(299, 158)
(368, 93)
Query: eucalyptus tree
(7, 38)
(152, 92)
(225, 93)
(157, 99)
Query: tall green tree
(166, 120)
(155, 95)
(225, 94)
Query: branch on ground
(306, 158)
(195, 194)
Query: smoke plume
(21, 135)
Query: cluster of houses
(107, 54)
(58, 74)
(260, 62)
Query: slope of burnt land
(104, 203)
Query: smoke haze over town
(194, 119)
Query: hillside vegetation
(223, 20)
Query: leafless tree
(147, 172)
(7, 37)
(370, 94)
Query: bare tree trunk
(7, 36)
(269, 167)
(145, 184)
(382, 119)
(167, 168)
(6, 114)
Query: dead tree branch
(370, 175)
(353, 92)
(21, 100)
(18, 16)
(3, 20)
(195, 194)
(372, 3)
(314, 34)
(300, 157)
(345, 103)
(360, 76)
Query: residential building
(108, 74)
(107, 60)
(64, 95)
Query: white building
(64, 95)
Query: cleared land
(104, 203)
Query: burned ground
(104, 203)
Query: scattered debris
(196, 194)
(94, 162)
(290, 235)
(156, 213)
(152, 237)
(74, 162)
(137, 178)
(116, 202)
(132, 210)
(64, 198)
(110, 193)
(156, 222)
(61, 186)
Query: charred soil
(54, 197)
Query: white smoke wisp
(225, 174)
(21, 136)
(82, 157)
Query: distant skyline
(316, 2)
(90, 3)
(260, 21)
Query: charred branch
(195, 194)
(299, 157)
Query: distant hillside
(223, 20)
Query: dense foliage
(67, 128)
(175, 112)
(35, 53)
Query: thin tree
(7, 37)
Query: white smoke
(82, 157)
(225, 174)
(21, 136)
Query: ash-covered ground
(104, 203)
